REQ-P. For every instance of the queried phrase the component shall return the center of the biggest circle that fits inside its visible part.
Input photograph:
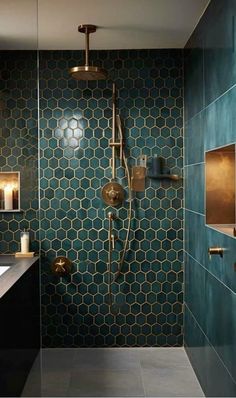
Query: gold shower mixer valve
(113, 194)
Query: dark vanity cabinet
(19, 331)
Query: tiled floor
(114, 372)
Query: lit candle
(8, 197)
(24, 240)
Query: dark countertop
(17, 269)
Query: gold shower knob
(113, 194)
(61, 266)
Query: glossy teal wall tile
(220, 120)
(210, 127)
(195, 297)
(212, 294)
(194, 75)
(195, 181)
(194, 139)
(219, 48)
(19, 144)
(195, 343)
(195, 236)
(198, 238)
(75, 133)
(224, 300)
(222, 268)
(207, 365)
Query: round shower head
(87, 72)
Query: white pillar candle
(24, 241)
(8, 198)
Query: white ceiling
(18, 24)
(123, 24)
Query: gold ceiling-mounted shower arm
(87, 29)
(87, 72)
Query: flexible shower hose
(122, 257)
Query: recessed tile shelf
(228, 229)
(220, 189)
(10, 191)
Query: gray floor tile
(106, 358)
(57, 364)
(170, 382)
(106, 383)
(167, 372)
(55, 383)
(114, 372)
(163, 357)
(32, 386)
(60, 359)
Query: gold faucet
(216, 251)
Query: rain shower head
(87, 72)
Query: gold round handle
(113, 193)
(61, 266)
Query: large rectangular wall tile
(219, 48)
(222, 268)
(193, 76)
(220, 121)
(220, 304)
(195, 236)
(195, 183)
(194, 139)
(210, 370)
(195, 298)
(198, 239)
(194, 342)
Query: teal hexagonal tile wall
(19, 143)
(75, 122)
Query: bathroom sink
(3, 268)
